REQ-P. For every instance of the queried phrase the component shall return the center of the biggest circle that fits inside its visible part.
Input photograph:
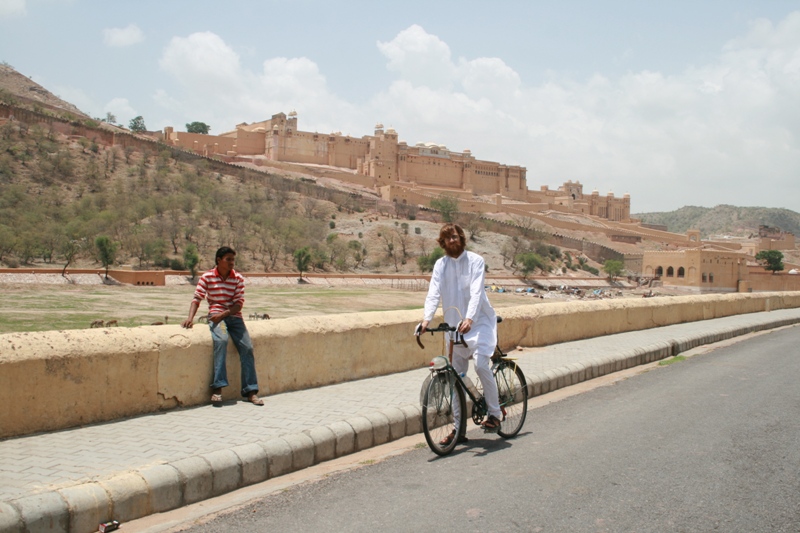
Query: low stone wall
(59, 379)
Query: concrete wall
(59, 379)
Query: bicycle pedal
(491, 430)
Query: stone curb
(124, 497)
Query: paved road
(707, 444)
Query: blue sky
(677, 103)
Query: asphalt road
(706, 444)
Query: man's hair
(222, 252)
(447, 230)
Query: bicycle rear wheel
(438, 404)
(513, 391)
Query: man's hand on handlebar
(423, 327)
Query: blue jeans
(241, 339)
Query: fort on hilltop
(418, 174)
(402, 173)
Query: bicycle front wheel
(513, 392)
(442, 400)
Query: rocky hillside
(18, 89)
(724, 220)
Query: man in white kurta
(457, 282)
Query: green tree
(107, 251)
(137, 124)
(110, 118)
(771, 260)
(426, 262)
(302, 259)
(191, 259)
(70, 248)
(8, 240)
(198, 127)
(530, 261)
(613, 268)
(446, 205)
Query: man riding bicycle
(457, 282)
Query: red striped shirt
(220, 293)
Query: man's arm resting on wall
(189, 322)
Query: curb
(131, 495)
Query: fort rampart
(59, 379)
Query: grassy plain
(34, 307)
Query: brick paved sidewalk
(50, 461)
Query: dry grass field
(35, 307)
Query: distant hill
(724, 219)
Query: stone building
(700, 269)
(395, 168)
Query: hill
(62, 186)
(724, 220)
(21, 90)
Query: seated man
(223, 287)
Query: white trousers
(483, 367)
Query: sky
(676, 103)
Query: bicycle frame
(445, 366)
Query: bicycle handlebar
(444, 327)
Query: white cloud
(11, 8)
(419, 58)
(119, 37)
(121, 109)
(212, 79)
(201, 58)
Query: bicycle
(444, 386)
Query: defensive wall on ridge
(105, 374)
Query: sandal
(255, 400)
(491, 424)
(448, 439)
(216, 396)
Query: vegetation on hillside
(58, 196)
(724, 220)
(66, 201)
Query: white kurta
(459, 285)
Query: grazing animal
(97, 323)
(111, 323)
(259, 316)
(166, 319)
